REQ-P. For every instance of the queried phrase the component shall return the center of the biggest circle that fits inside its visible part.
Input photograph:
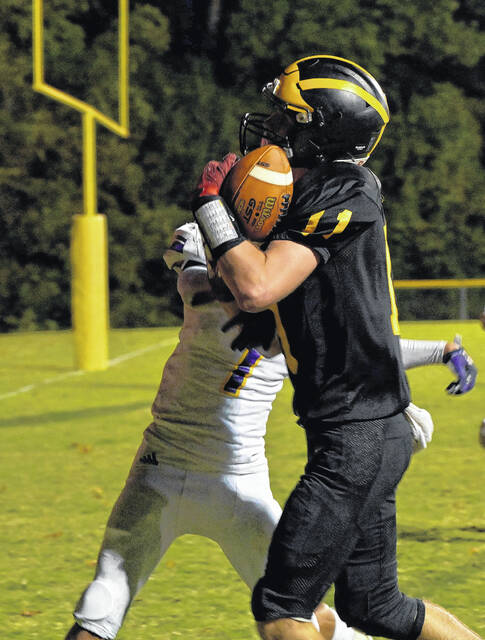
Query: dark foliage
(195, 68)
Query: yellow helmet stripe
(344, 85)
(289, 92)
(320, 56)
(377, 139)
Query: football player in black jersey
(325, 272)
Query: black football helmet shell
(325, 108)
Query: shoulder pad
(329, 189)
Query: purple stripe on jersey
(241, 372)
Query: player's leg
(246, 536)
(306, 631)
(78, 633)
(439, 624)
(318, 529)
(250, 517)
(287, 628)
(250, 522)
(390, 619)
(139, 530)
(367, 594)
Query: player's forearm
(259, 279)
(239, 263)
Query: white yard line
(111, 363)
(139, 352)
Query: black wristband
(218, 225)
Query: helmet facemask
(278, 127)
(256, 130)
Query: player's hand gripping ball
(258, 190)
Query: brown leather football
(258, 189)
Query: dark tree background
(195, 67)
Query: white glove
(186, 246)
(421, 424)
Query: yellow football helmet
(325, 108)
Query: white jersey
(213, 403)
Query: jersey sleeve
(329, 211)
(330, 230)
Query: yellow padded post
(89, 293)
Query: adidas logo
(150, 458)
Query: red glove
(213, 175)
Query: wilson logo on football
(259, 189)
(266, 212)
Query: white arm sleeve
(417, 353)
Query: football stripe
(272, 177)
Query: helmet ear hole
(303, 117)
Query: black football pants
(339, 526)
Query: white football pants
(160, 503)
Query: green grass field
(67, 442)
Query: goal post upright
(89, 238)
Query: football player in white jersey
(201, 467)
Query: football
(258, 190)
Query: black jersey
(339, 328)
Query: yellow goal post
(89, 254)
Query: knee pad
(96, 602)
(103, 605)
